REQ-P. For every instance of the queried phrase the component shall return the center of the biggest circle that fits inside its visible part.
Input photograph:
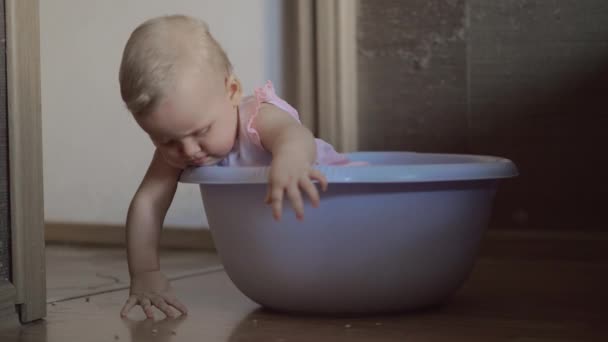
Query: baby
(179, 85)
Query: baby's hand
(152, 289)
(290, 173)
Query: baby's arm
(294, 152)
(149, 287)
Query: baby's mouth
(205, 161)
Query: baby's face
(196, 123)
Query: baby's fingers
(176, 304)
(311, 190)
(296, 200)
(131, 301)
(160, 303)
(275, 198)
(316, 174)
(147, 307)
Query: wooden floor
(521, 290)
(74, 271)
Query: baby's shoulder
(248, 108)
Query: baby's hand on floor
(150, 289)
(291, 174)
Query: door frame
(25, 157)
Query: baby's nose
(192, 150)
(195, 156)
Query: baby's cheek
(228, 144)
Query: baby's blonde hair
(158, 50)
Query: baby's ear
(233, 88)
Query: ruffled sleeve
(326, 154)
(267, 94)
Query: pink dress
(248, 150)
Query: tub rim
(456, 167)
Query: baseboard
(114, 235)
(9, 319)
(505, 234)
(546, 244)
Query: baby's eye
(203, 131)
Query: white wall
(94, 153)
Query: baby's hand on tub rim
(290, 174)
(149, 289)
